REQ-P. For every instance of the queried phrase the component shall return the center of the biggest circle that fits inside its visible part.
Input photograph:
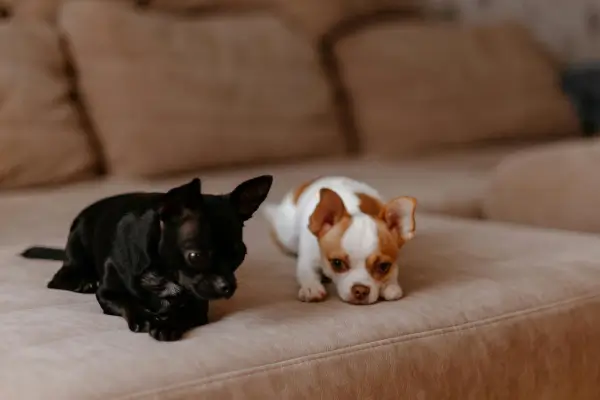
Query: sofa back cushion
(417, 86)
(169, 94)
(41, 137)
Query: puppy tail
(44, 253)
(269, 211)
(282, 219)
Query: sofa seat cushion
(169, 94)
(42, 140)
(417, 86)
(482, 301)
(553, 186)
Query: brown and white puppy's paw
(392, 292)
(313, 292)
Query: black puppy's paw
(138, 326)
(139, 322)
(166, 333)
(87, 287)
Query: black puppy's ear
(185, 196)
(249, 195)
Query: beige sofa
(502, 281)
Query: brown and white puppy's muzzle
(359, 252)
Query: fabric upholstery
(554, 186)
(42, 140)
(490, 297)
(197, 92)
(418, 86)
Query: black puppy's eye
(194, 257)
(338, 265)
(384, 267)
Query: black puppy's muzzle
(224, 287)
(212, 287)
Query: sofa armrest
(553, 186)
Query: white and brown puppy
(342, 229)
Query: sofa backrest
(163, 86)
(569, 28)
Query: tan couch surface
(519, 307)
(554, 186)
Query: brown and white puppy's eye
(338, 265)
(384, 267)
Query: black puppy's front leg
(115, 299)
(178, 320)
(122, 304)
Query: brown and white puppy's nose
(360, 292)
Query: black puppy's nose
(224, 288)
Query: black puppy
(156, 259)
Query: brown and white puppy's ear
(399, 216)
(328, 212)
